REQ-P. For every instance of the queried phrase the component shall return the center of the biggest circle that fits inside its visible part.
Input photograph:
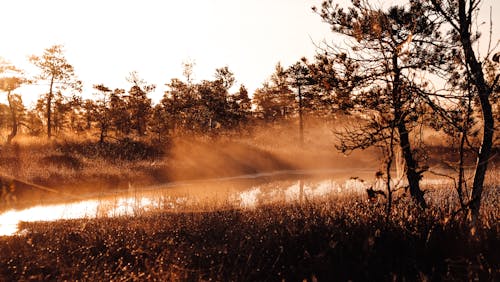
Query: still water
(245, 192)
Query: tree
(333, 94)
(102, 112)
(55, 69)
(275, 100)
(120, 116)
(212, 104)
(11, 80)
(139, 105)
(460, 15)
(240, 107)
(176, 101)
(159, 121)
(388, 49)
(301, 78)
(225, 76)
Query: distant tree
(120, 116)
(275, 100)
(55, 69)
(176, 101)
(333, 93)
(212, 104)
(34, 121)
(88, 107)
(102, 113)
(285, 96)
(62, 109)
(139, 105)
(240, 107)
(225, 76)
(76, 116)
(201, 107)
(266, 103)
(11, 79)
(301, 78)
(160, 122)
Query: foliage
(59, 74)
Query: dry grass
(333, 238)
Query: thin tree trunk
(49, 109)
(484, 91)
(388, 172)
(13, 133)
(411, 166)
(301, 121)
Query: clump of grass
(333, 238)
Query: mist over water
(266, 166)
(244, 192)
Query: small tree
(11, 79)
(387, 50)
(59, 74)
(300, 78)
(275, 100)
(102, 113)
(139, 105)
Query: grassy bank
(336, 238)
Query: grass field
(332, 238)
(335, 237)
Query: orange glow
(137, 202)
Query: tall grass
(327, 239)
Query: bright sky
(105, 40)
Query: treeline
(187, 107)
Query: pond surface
(246, 191)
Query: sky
(105, 40)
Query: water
(245, 192)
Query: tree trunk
(13, 133)
(49, 109)
(477, 76)
(404, 141)
(388, 173)
(411, 165)
(301, 121)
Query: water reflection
(247, 195)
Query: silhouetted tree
(387, 51)
(159, 121)
(102, 113)
(460, 16)
(139, 105)
(179, 101)
(275, 100)
(225, 76)
(301, 79)
(333, 93)
(11, 79)
(120, 116)
(59, 74)
(240, 107)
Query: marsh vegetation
(211, 182)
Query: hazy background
(105, 40)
